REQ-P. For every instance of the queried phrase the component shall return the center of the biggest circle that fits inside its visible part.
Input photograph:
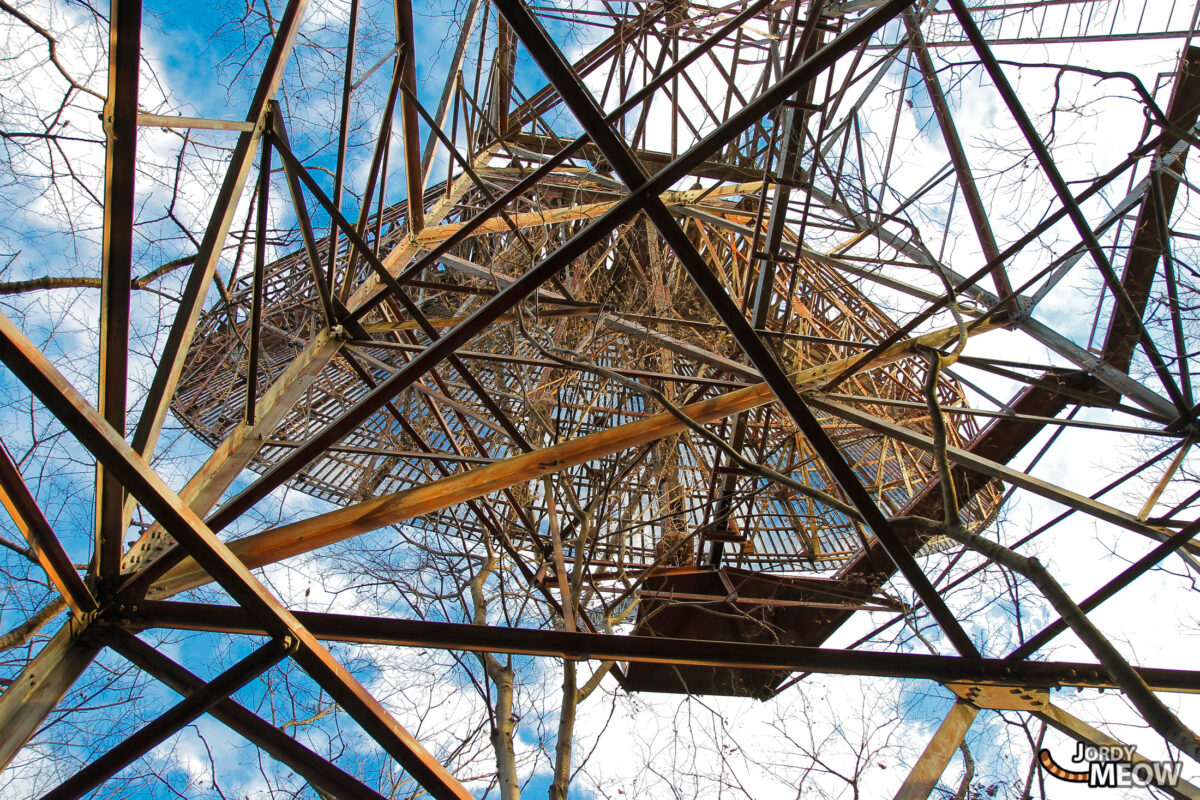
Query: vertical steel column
(276, 136)
(260, 268)
(339, 175)
(444, 104)
(410, 121)
(120, 126)
(1148, 243)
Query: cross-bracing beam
(43, 544)
(322, 774)
(159, 729)
(61, 399)
(584, 106)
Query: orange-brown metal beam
(302, 537)
(241, 445)
(43, 544)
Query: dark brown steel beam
(320, 773)
(660, 650)
(120, 126)
(258, 281)
(157, 731)
(276, 136)
(581, 103)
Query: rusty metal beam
(258, 280)
(155, 732)
(275, 137)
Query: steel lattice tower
(663, 282)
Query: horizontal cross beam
(658, 650)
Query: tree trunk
(504, 731)
(566, 732)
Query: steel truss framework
(410, 364)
